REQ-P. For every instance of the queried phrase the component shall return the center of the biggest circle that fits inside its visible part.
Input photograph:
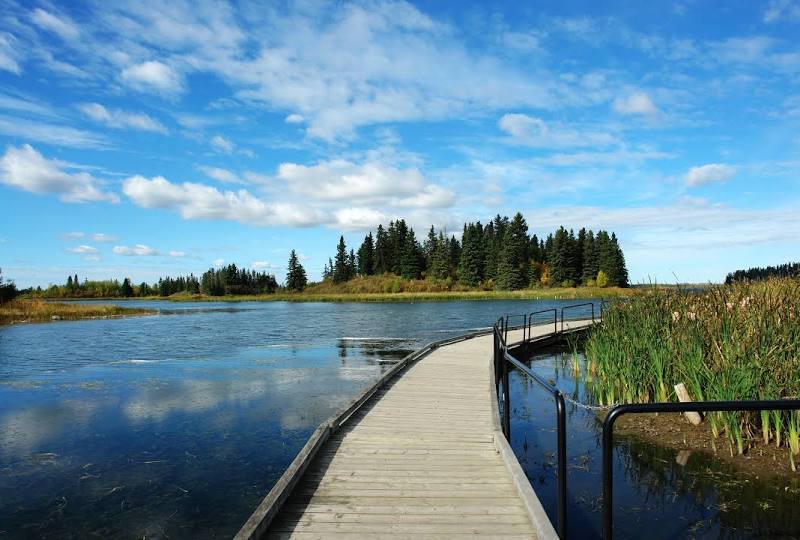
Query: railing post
(561, 419)
(608, 475)
(506, 399)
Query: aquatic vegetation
(21, 310)
(729, 342)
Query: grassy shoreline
(36, 311)
(389, 297)
(732, 342)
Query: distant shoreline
(566, 293)
(24, 311)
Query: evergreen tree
(590, 262)
(440, 258)
(340, 264)
(366, 256)
(559, 257)
(429, 248)
(296, 279)
(410, 257)
(381, 252)
(513, 271)
(471, 262)
(126, 290)
(455, 254)
(69, 283)
(352, 266)
(8, 290)
(620, 269)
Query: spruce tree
(380, 265)
(352, 266)
(340, 265)
(440, 258)
(513, 271)
(296, 279)
(410, 257)
(126, 290)
(366, 256)
(590, 263)
(471, 262)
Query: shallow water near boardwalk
(177, 425)
(654, 495)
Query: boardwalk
(423, 458)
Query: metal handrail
(555, 319)
(524, 326)
(563, 309)
(502, 359)
(695, 406)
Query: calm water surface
(177, 425)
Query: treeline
(8, 290)
(497, 255)
(214, 282)
(764, 273)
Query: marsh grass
(22, 310)
(731, 342)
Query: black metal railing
(503, 362)
(565, 308)
(524, 326)
(541, 312)
(638, 408)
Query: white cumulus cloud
(117, 118)
(25, 168)
(199, 201)
(713, 172)
(153, 76)
(139, 250)
(373, 181)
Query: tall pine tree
(513, 272)
(296, 279)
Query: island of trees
(499, 255)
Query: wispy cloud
(58, 135)
(83, 249)
(117, 118)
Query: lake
(178, 424)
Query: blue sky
(143, 139)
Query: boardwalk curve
(421, 454)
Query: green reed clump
(730, 342)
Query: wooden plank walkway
(424, 457)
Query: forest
(763, 273)
(498, 255)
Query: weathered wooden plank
(419, 458)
